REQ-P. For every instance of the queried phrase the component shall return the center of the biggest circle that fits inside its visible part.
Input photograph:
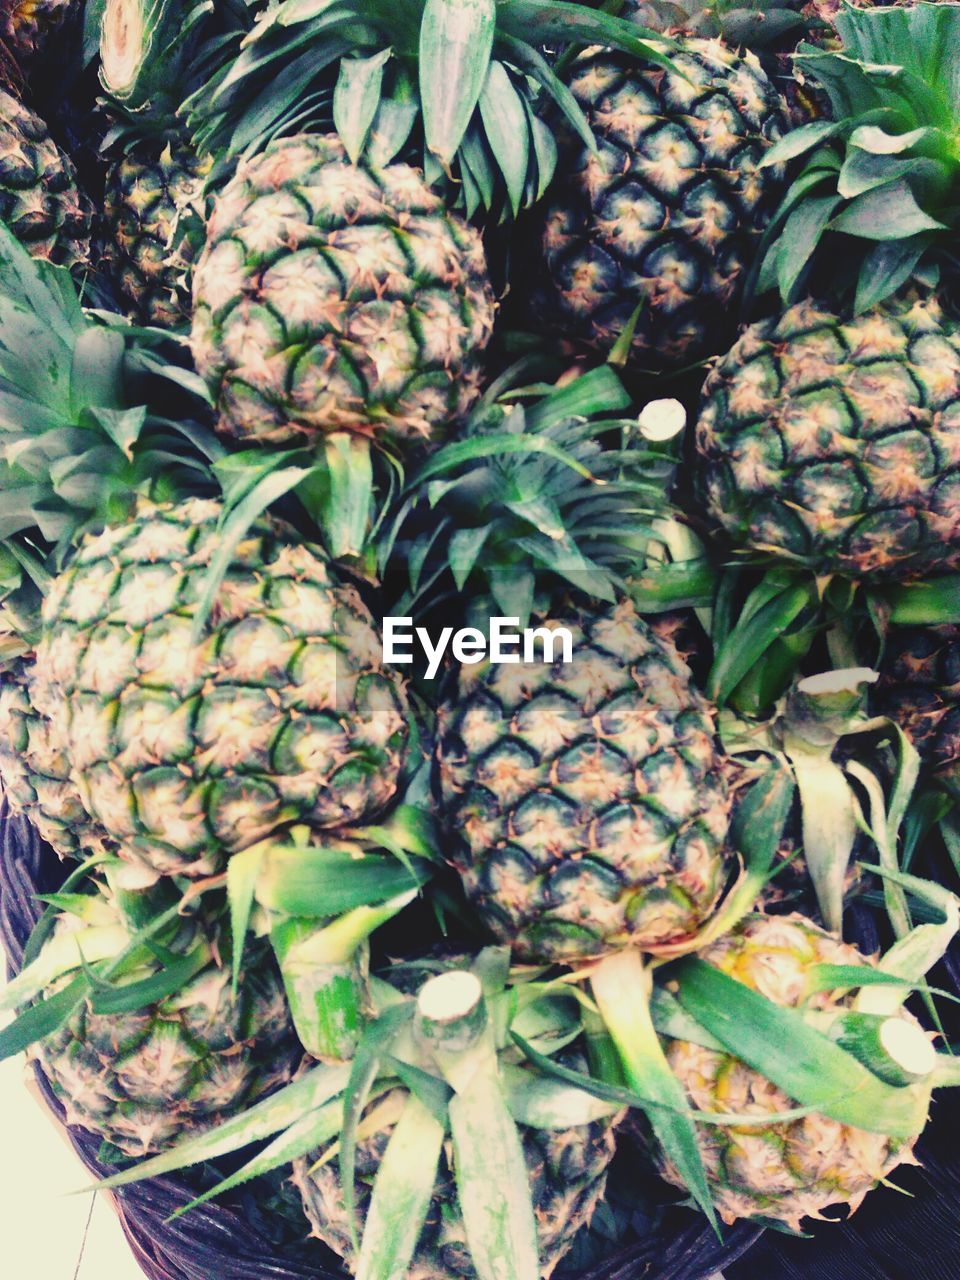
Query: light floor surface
(47, 1233)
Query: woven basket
(892, 1238)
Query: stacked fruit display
(461, 771)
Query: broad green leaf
(243, 872)
(542, 1103)
(64, 952)
(750, 639)
(886, 267)
(265, 1118)
(885, 213)
(324, 882)
(799, 141)
(373, 1044)
(505, 125)
(801, 234)
(356, 99)
(306, 1134)
(401, 1194)
(828, 824)
(346, 515)
(493, 1185)
(806, 1065)
(622, 987)
(761, 816)
(456, 39)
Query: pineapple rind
(281, 712)
(789, 1170)
(667, 214)
(835, 443)
(586, 799)
(334, 296)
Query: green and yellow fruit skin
(586, 799)
(568, 1173)
(665, 218)
(281, 712)
(335, 296)
(919, 688)
(152, 199)
(834, 443)
(142, 1079)
(35, 770)
(794, 1169)
(39, 198)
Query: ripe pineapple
(27, 25)
(187, 750)
(832, 443)
(567, 1169)
(39, 198)
(667, 215)
(333, 296)
(587, 799)
(152, 206)
(154, 188)
(35, 772)
(920, 689)
(142, 1078)
(793, 1169)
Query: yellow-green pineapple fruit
(144, 1078)
(833, 442)
(39, 198)
(187, 750)
(660, 225)
(586, 799)
(332, 295)
(793, 1169)
(152, 204)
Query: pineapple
(143, 1077)
(587, 801)
(27, 25)
(332, 296)
(831, 443)
(793, 1169)
(659, 227)
(152, 206)
(34, 770)
(154, 188)
(39, 198)
(187, 749)
(564, 1151)
(920, 689)
(567, 1170)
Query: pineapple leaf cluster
(878, 184)
(460, 86)
(555, 493)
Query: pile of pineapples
(314, 314)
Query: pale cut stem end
(451, 1013)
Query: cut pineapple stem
(896, 1051)
(324, 969)
(451, 1013)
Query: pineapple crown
(83, 421)
(882, 174)
(154, 53)
(753, 26)
(460, 84)
(547, 489)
